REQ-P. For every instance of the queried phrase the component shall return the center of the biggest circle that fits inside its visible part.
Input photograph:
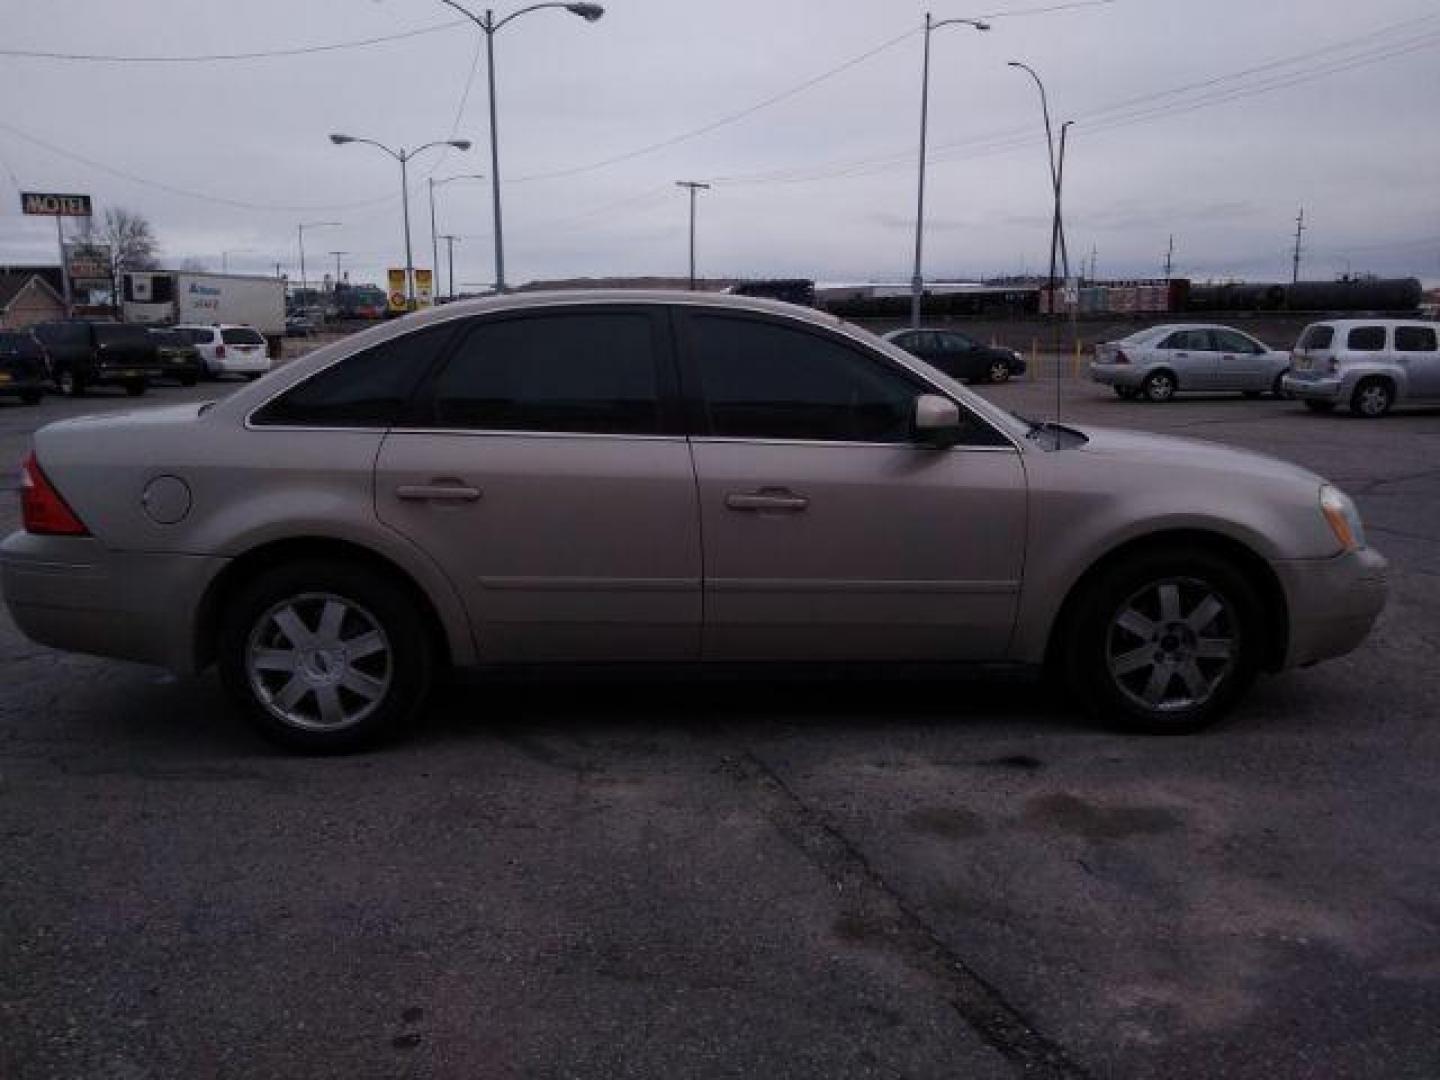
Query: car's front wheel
(998, 372)
(1164, 642)
(326, 657)
(1159, 386)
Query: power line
(207, 58)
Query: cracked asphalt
(829, 877)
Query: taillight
(1120, 357)
(42, 509)
(219, 352)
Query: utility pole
(693, 186)
(337, 255)
(1093, 256)
(1170, 257)
(1299, 233)
(450, 246)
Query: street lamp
(303, 226)
(694, 186)
(337, 255)
(917, 281)
(1057, 234)
(450, 239)
(490, 25)
(434, 235)
(403, 156)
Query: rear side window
(1318, 337)
(199, 336)
(369, 389)
(581, 372)
(1415, 339)
(1235, 342)
(1366, 339)
(242, 336)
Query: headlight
(1344, 519)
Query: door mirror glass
(937, 420)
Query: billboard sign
(395, 279)
(88, 265)
(51, 204)
(424, 288)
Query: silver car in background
(664, 477)
(1162, 361)
(1368, 364)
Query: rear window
(1415, 339)
(119, 334)
(1318, 337)
(242, 336)
(1366, 339)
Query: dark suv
(85, 354)
(178, 356)
(22, 366)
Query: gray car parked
(1162, 361)
(664, 477)
(1368, 364)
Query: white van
(1368, 364)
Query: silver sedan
(1162, 361)
(666, 478)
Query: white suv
(1367, 364)
(227, 348)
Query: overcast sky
(821, 183)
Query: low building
(27, 299)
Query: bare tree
(128, 235)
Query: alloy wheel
(319, 662)
(1172, 644)
(1373, 400)
(999, 371)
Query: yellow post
(1077, 359)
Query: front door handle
(767, 499)
(445, 491)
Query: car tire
(998, 372)
(1372, 398)
(1277, 388)
(69, 384)
(1159, 386)
(135, 387)
(1320, 406)
(1164, 642)
(319, 695)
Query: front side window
(1233, 342)
(1415, 339)
(369, 389)
(1318, 337)
(582, 372)
(1366, 339)
(1188, 341)
(956, 343)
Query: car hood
(1185, 454)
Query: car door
(830, 533)
(1418, 354)
(1190, 354)
(1241, 362)
(964, 359)
(545, 470)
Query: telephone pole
(450, 244)
(1170, 257)
(693, 186)
(1299, 233)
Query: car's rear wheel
(1277, 388)
(1372, 398)
(69, 384)
(1320, 406)
(326, 657)
(998, 372)
(1164, 642)
(1159, 386)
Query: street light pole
(403, 156)
(489, 25)
(435, 238)
(693, 186)
(1056, 234)
(450, 245)
(337, 255)
(917, 280)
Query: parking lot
(822, 877)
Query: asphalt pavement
(835, 877)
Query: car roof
(1376, 321)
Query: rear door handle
(767, 499)
(438, 492)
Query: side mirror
(937, 420)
